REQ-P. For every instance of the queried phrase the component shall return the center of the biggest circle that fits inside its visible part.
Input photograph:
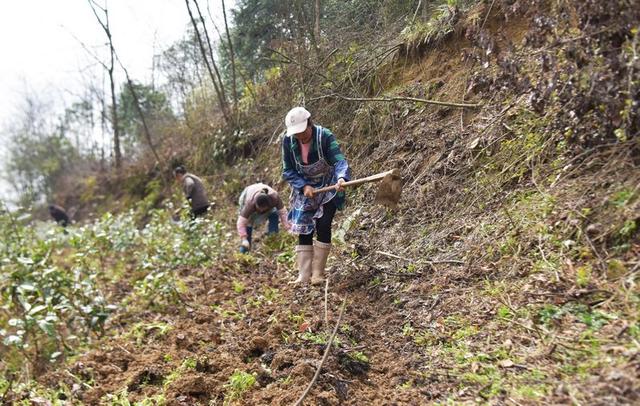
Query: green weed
(622, 198)
(359, 356)
(375, 281)
(407, 330)
(140, 331)
(239, 383)
(504, 312)
(319, 338)
(583, 276)
(531, 392)
(238, 286)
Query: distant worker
(259, 203)
(194, 191)
(59, 215)
(312, 159)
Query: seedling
(239, 383)
(238, 287)
(359, 356)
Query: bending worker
(312, 159)
(59, 214)
(259, 203)
(193, 189)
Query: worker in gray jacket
(194, 191)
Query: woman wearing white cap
(312, 159)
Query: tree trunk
(147, 133)
(114, 119)
(114, 107)
(218, 89)
(233, 65)
(316, 28)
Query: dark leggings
(323, 226)
(199, 211)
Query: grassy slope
(507, 275)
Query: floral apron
(304, 210)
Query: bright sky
(41, 55)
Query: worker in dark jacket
(59, 214)
(194, 191)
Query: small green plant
(346, 328)
(297, 318)
(593, 319)
(407, 330)
(583, 276)
(549, 313)
(119, 399)
(271, 295)
(627, 230)
(229, 313)
(239, 383)
(504, 312)
(489, 380)
(189, 363)
(238, 286)
(531, 392)
(319, 338)
(359, 356)
(622, 198)
(493, 288)
(142, 330)
(286, 380)
(464, 332)
(406, 385)
(423, 338)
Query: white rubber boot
(304, 258)
(320, 255)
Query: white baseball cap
(296, 120)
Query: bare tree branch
(395, 99)
(221, 100)
(226, 49)
(114, 116)
(213, 60)
(316, 27)
(233, 64)
(136, 102)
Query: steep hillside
(507, 275)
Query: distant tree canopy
(183, 68)
(39, 154)
(154, 106)
(261, 26)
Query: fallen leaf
(505, 363)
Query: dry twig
(324, 357)
(395, 99)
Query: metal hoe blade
(389, 190)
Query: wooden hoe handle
(372, 178)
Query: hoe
(389, 190)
